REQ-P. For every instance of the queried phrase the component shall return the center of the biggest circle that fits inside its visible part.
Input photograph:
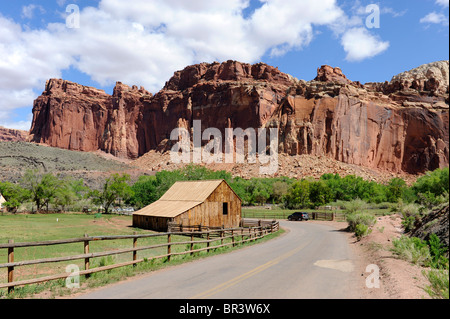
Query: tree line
(48, 190)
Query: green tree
(261, 191)
(320, 193)
(280, 189)
(115, 187)
(14, 195)
(298, 195)
(144, 191)
(64, 196)
(395, 189)
(42, 187)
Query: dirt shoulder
(398, 278)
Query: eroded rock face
(76, 117)
(394, 126)
(11, 135)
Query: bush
(437, 251)
(439, 283)
(412, 249)
(354, 206)
(362, 231)
(355, 219)
(411, 214)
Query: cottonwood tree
(115, 187)
(42, 187)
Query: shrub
(354, 206)
(411, 214)
(354, 219)
(437, 251)
(412, 249)
(362, 230)
(439, 283)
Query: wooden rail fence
(253, 230)
(330, 216)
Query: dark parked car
(298, 216)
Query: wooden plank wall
(209, 213)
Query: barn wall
(210, 212)
(151, 222)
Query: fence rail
(330, 215)
(253, 230)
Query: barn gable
(192, 203)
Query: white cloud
(444, 3)
(28, 11)
(20, 125)
(146, 42)
(360, 44)
(436, 18)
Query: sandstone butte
(396, 126)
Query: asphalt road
(309, 261)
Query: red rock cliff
(401, 125)
(76, 117)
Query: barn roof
(191, 190)
(182, 196)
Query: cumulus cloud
(146, 42)
(360, 44)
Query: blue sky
(143, 42)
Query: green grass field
(43, 227)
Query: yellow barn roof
(181, 197)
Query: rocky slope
(397, 126)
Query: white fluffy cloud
(360, 44)
(146, 42)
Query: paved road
(309, 261)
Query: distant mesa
(11, 135)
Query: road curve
(310, 260)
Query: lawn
(43, 227)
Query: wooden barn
(2, 201)
(192, 203)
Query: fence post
(221, 235)
(169, 250)
(207, 244)
(11, 269)
(134, 251)
(86, 251)
(192, 243)
(232, 237)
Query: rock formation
(76, 117)
(11, 135)
(397, 126)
